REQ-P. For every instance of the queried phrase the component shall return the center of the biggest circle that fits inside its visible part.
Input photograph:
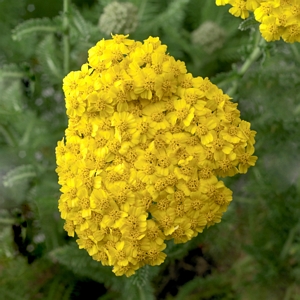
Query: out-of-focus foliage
(254, 253)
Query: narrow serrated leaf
(79, 262)
(33, 26)
(140, 278)
(11, 71)
(80, 23)
(172, 16)
(18, 174)
(11, 96)
(49, 59)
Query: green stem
(66, 39)
(252, 58)
(255, 54)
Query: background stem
(66, 41)
(254, 55)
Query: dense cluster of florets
(145, 145)
(210, 36)
(278, 18)
(118, 17)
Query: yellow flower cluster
(145, 145)
(278, 18)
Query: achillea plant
(278, 18)
(145, 145)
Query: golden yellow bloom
(239, 8)
(269, 29)
(145, 145)
(279, 19)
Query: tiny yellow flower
(239, 8)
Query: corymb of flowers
(278, 18)
(145, 147)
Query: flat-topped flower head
(278, 18)
(145, 147)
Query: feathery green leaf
(50, 60)
(20, 173)
(34, 25)
(11, 71)
(249, 23)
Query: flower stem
(254, 55)
(66, 40)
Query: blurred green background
(254, 253)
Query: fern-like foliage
(11, 273)
(249, 23)
(58, 288)
(79, 262)
(11, 98)
(175, 13)
(34, 25)
(16, 183)
(50, 59)
(6, 238)
(141, 277)
(80, 23)
(140, 284)
(172, 17)
(20, 281)
(211, 287)
(11, 71)
(148, 9)
(18, 174)
(83, 35)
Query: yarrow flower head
(118, 17)
(210, 36)
(278, 18)
(145, 147)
